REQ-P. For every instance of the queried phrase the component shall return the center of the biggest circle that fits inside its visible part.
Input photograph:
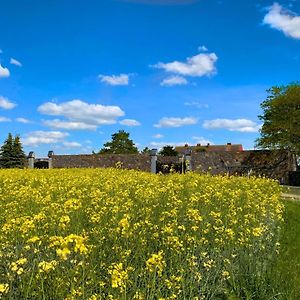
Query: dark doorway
(41, 164)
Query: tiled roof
(210, 148)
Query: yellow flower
(156, 263)
(4, 288)
(46, 267)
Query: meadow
(120, 234)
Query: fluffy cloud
(160, 145)
(122, 79)
(201, 140)
(36, 138)
(4, 119)
(72, 144)
(1, 51)
(15, 62)
(196, 66)
(196, 104)
(174, 80)
(202, 48)
(130, 122)
(4, 72)
(80, 115)
(158, 136)
(68, 125)
(23, 120)
(175, 122)
(283, 20)
(6, 103)
(241, 125)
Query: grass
(289, 260)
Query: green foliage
(168, 151)
(281, 119)
(287, 269)
(146, 150)
(120, 144)
(11, 153)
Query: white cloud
(4, 72)
(201, 140)
(175, 122)
(283, 20)
(80, 115)
(6, 103)
(122, 79)
(202, 48)
(4, 119)
(36, 138)
(72, 144)
(158, 136)
(69, 125)
(174, 80)
(159, 145)
(130, 122)
(15, 62)
(23, 120)
(196, 66)
(196, 104)
(1, 51)
(241, 125)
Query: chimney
(228, 147)
(186, 145)
(198, 145)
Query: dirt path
(291, 196)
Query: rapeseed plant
(119, 234)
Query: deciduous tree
(119, 144)
(281, 119)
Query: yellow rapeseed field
(119, 234)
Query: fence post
(153, 155)
(50, 154)
(31, 158)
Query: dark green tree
(168, 151)
(146, 150)
(6, 152)
(281, 119)
(18, 153)
(11, 153)
(119, 144)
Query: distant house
(209, 148)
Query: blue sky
(168, 71)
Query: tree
(281, 119)
(119, 144)
(146, 150)
(168, 151)
(18, 153)
(11, 153)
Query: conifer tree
(6, 152)
(11, 153)
(18, 153)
